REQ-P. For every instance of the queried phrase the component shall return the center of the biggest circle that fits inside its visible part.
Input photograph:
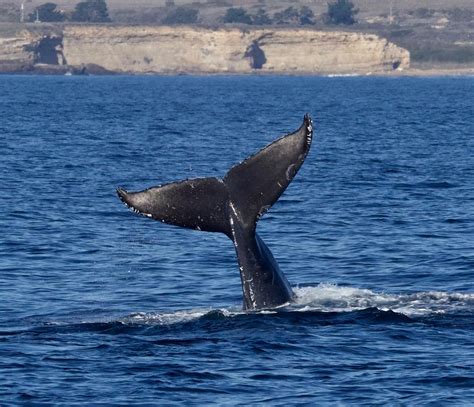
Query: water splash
(327, 297)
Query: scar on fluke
(233, 205)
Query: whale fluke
(232, 206)
(256, 183)
(195, 203)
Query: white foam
(327, 297)
(342, 75)
(153, 318)
(170, 318)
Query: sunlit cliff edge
(184, 49)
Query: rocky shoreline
(91, 69)
(48, 69)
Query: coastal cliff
(14, 50)
(162, 49)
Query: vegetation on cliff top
(90, 11)
(432, 33)
(289, 16)
(95, 11)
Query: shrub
(181, 15)
(341, 12)
(306, 16)
(261, 18)
(293, 16)
(237, 15)
(92, 11)
(288, 16)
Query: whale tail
(249, 188)
(233, 206)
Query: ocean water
(376, 234)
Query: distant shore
(185, 50)
(89, 69)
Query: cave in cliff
(49, 51)
(256, 56)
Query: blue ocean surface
(375, 234)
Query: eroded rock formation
(142, 49)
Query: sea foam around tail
(326, 298)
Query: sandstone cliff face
(139, 49)
(189, 49)
(14, 48)
(330, 52)
(156, 49)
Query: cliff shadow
(48, 50)
(256, 56)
